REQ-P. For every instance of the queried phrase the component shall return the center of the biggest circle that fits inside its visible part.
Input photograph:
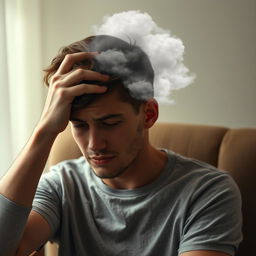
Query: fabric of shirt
(13, 218)
(190, 206)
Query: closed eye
(111, 124)
(80, 125)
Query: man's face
(110, 135)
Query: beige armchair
(233, 150)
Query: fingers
(81, 89)
(69, 82)
(71, 59)
(75, 77)
(87, 88)
(67, 75)
(64, 86)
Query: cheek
(80, 139)
(115, 139)
(127, 137)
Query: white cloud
(165, 51)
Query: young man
(123, 197)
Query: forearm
(21, 180)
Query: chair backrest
(196, 141)
(233, 150)
(238, 156)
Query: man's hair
(125, 63)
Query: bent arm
(19, 185)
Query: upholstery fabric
(197, 141)
(238, 156)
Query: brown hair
(140, 67)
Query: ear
(150, 113)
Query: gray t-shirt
(191, 206)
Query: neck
(146, 168)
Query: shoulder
(69, 165)
(193, 168)
(196, 177)
(66, 173)
(210, 204)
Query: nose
(96, 140)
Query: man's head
(128, 66)
(111, 128)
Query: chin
(109, 174)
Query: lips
(101, 160)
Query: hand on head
(65, 85)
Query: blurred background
(220, 48)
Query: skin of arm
(21, 180)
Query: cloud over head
(164, 50)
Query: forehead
(104, 105)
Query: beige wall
(220, 40)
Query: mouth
(101, 160)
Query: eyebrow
(103, 118)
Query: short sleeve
(214, 218)
(47, 200)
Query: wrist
(42, 133)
